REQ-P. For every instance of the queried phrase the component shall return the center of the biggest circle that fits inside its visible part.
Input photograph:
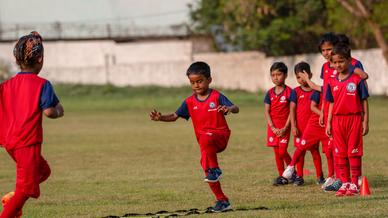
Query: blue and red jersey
(347, 94)
(279, 105)
(328, 72)
(204, 114)
(302, 100)
(22, 100)
(317, 98)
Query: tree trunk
(362, 12)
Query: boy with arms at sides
(24, 98)
(277, 110)
(300, 114)
(207, 109)
(348, 119)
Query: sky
(136, 12)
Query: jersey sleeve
(293, 97)
(225, 101)
(362, 90)
(359, 65)
(48, 98)
(329, 95)
(315, 97)
(183, 111)
(267, 98)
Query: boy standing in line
(277, 110)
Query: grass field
(108, 158)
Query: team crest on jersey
(336, 150)
(355, 151)
(335, 88)
(302, 96)
(270, 139)
(351, 87)
(303, 142)
(212, 105)
(334, 72)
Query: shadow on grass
(189, 212)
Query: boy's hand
(365, 128)
(224, 109)
(304, 75)
(155, 115)
(328, 130)
(295, 131)
(321, 120)
(282, 131)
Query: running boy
(23, 99)
(300, 115)
(207, 109)
(347, 120)
(277, 110)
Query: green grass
(108, 158)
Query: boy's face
(199, 83)
(340, 63)
(326, 49)
(278, 77)
(300, 80)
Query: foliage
(283, 27)
(5, 70)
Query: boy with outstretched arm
(207, 109)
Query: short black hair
(302, 66)
(280, 66)
(343, 50)
(199, 67)
(327, 37)
(342, 38)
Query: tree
(364, 10)
(274, 27)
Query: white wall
(164, 63)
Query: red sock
(300, 164)
(330, 163)
(297, 155)
(342, 166)
(279, 161)
(284, 155)
(212, 159)
(216, 189)
(317, 161)
(12, 208)
(355, 168)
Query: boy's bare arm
(157, 116)
(293, 119)
(54, 112)
(361, 73)
(365, 118)
(312, 85)
(329, 118)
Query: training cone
(364, 190)
(306, 172)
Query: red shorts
(274, 141)
(312, 135)
(347, 135)
(213, 141)
(31, 169)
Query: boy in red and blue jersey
(277, 110)
(348, 119)
(326, 45)
(300, 116)
(23, 100)
(207, 109)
